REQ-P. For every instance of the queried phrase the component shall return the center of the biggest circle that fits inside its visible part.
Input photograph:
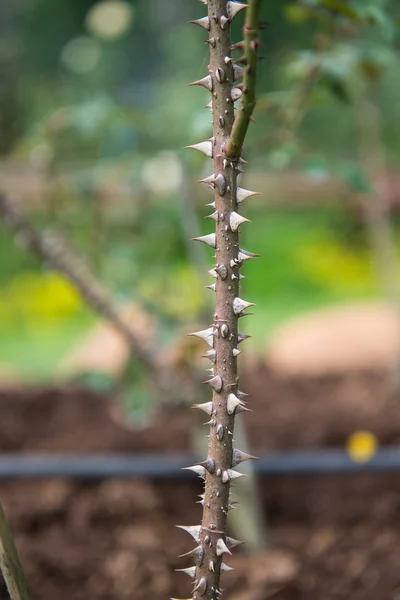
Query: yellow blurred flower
(41, 296)
(336, 267)
(362, 446)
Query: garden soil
(330, 537)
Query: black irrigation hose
(168, 466)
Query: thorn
(220, 74)
(211, 355)
(215, 181)
(238, 46)
(208, 180)
(235, 220)
(236, 352)
(241, 395)
(211, 41)
(225, 568)
(191, 571)
(216, 383)
(208, 465)
(206, 334)
(213, 273)
(247, 253)
(236, 94)
(222, 271)
(243, 256)
(209, 105)
(193, 530)
(232, 9)
(206, 82)
(220, 432)
(240, 305)
(207, 407)
(227, 60)
(201, 587)
(211, 566)
(221, 548)
(197, 554)
(204, 22)
(232, 404)
(209, 239)
(223, 21)
(242, 194)
(242, 408)
(242, 337)
(214, 216)
(232, 543)
(238, 457)
(224, 330)
(231, 475)
(220, 184)
(238, 72)
(199, 470)
(205, 147)
(211, 287)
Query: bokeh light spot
(362, 446)
(110, 19)
(81, 54)
(163, 173)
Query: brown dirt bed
(331, 537)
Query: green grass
(35, 351)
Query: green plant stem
(251, 41)
(10, 563)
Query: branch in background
(291, 119)
(10, 564)
(51, 249)
(375, 204)
(171, 389)
(250, 59)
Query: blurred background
(99, 286)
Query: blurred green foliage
(101, 110)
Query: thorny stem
(218, 469)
